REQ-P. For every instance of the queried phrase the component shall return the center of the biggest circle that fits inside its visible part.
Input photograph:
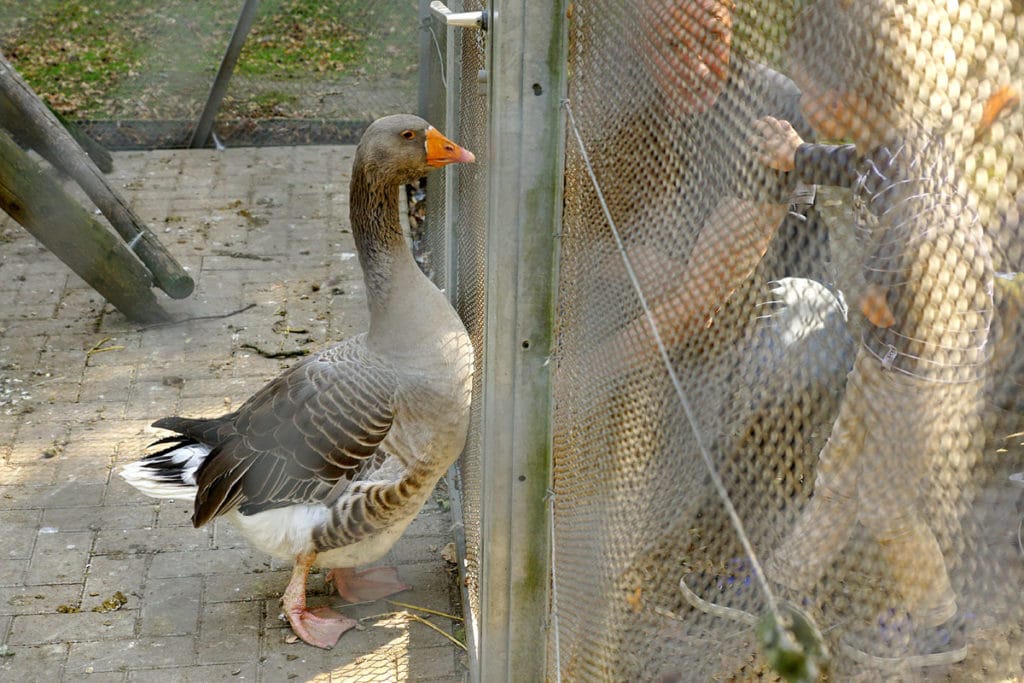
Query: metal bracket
(461, 19)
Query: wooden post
(58, 143)
(34, 199)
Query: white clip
(462, 19)
(889, 357)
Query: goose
(328, 464)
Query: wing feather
(318, 423)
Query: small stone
(449, 555)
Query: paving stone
(102, 383)
(110, 574)
(428, 583)
(118, 491)
(255, 585)
(431, 522)
(196, 674)
(88, 443)
(37, 443)
(130, 653)
(431, 663)
(229, 633)
(176, 513)
(171, 606)
(402, 553)
(34, 663)
(59, 557)
(12, 572)
(177, 541)
(205, 562)
(106, 517)
(227, 535)
(101, 677)
(34, 599)
(31, 629)
(62, 494)
(297, 662)
(20, 530)
(83, 469)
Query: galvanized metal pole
(452, 96)
(427, 61)
(527, 50)
(227, 66)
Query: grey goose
(329, 463)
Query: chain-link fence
(786, 376)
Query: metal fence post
(227, 66)
(527, 76)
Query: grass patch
(110, 59)
(267, 104)
(295, 37)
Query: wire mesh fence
(469, 285)
(788, 317)
(455, 233)
(775, 347)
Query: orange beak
(441, 151)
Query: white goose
(328, 463)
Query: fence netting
(469, 256)
(456, 257)
(788, 318)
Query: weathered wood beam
(167, 274)
(30, 137)
(39, 203)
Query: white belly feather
(287, 532)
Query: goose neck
(376, 230)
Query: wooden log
(39, 203)
(168, 275)
(30, 137)
(97, 152)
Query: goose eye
(408, 134)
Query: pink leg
(320, 627)
(368, 585)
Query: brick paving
(79, 386)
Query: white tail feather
(170, 474)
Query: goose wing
(301, 437)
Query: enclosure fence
(781, 380)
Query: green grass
(95, 59)
(269, 103)
(294, 37)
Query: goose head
(403, 148)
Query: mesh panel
(837, 344)
(435, 239)
(470, 277)
(466, 249)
